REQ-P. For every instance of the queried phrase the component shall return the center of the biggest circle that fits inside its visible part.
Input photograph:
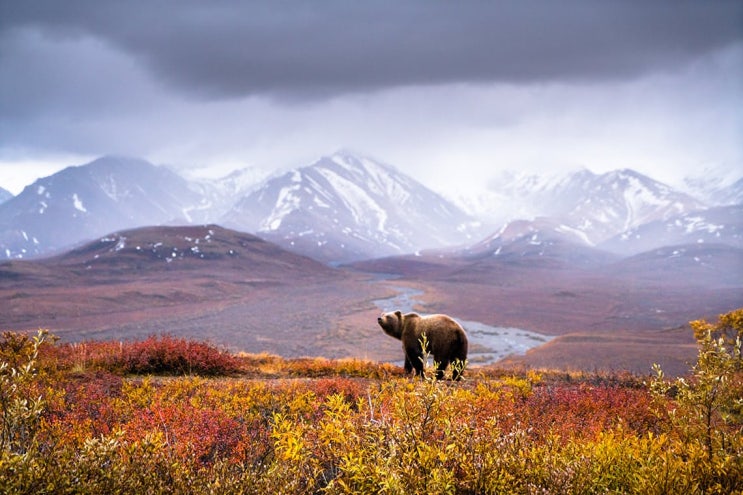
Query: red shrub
(165, 355)
(170, 355)
(583, 411)
(199, 435)
(351, 389)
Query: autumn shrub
(77, 427)
(170, 355)
(584, 411)
(162, 355)
(315, 367)
(704, 411)
(20, 406)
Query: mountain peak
(357, 164)
(345, 207)
(348, 155)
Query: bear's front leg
(408, 365)
(417, 363)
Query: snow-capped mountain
(5, 195)
(345, 208)
(617, 201)
(719, 225)
(511, 196)
(593, 207)
(83, 202)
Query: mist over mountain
(219, 195)
(732, 194)
(715, 186)
(5, 195)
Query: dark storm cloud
(221, 49)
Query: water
(487, 344)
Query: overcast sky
(449, 92)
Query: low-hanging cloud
(226, 49)
(434, 87)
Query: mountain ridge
(345, 207)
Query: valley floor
(590, 323)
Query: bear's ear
(398, 314)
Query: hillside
(542, 241)
(717, 225)
(204, 282)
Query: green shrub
(705, 410)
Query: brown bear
(447, 340)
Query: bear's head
(391, 323)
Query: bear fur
(447, 340)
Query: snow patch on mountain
(361, 205)
(578, 233)
(78, 204)
(286, 203)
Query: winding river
(487, 344)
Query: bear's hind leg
(440, 369)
